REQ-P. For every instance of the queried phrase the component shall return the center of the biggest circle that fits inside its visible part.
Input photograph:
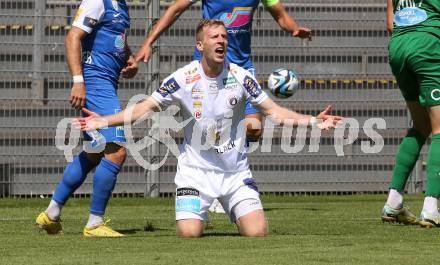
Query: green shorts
(415, 62)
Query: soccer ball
(283, 83)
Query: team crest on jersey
(198, 114)
(252, 86)
(169, 87)
(239, 17)
(120, 42)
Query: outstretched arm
(284, 116)
(287, 22)
(129, 115)
(171, 14)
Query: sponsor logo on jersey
(90, 22)
(191, 71)
(169, 87)
(232, 100)
(196, 90)
(239, 17)
(192, 78)
(224, 148)
(229, 80)
(197, 104)
(78, 14)
(120, 42)
(435, 94)
(86, 57)
(252, 86)
(213, 88)
(187, 192)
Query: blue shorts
(105, 101)
(250, 109)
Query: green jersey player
(414, 57)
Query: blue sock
(74, 175)
(103, 184)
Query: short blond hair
(206, 23)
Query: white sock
(94, 220)
(395, 199)
(430, 205)
(54, 210)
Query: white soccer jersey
(89, 14)
(215, 137)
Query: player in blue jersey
(99, 29)
(238, 17)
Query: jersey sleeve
(269, 3)
(251, 89)
(171, 85)
(89, 14)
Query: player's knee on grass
(115, 153)
(251, 220)
(189, 228)
(253, 224)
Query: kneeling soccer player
(212, 95)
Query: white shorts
(198, 188)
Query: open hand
(144, 53)
(303, 33)
(327, 121)
(93, 121)
(131, 69)
(78, 95)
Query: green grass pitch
(302, 230)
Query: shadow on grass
(214, 234)
(269, 209)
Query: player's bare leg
(189, 228)
(252, 224)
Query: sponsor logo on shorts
(252, 86)
(188, 205)
(169, 87)
(90, 22)
(435, 94)
(187, 192)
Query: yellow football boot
(52, 227)
(101, 230)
